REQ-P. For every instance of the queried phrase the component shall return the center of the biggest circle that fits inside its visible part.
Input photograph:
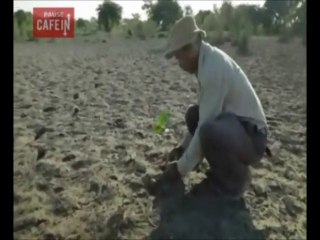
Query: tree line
(285, 17)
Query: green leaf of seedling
(161, 122)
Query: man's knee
(210, 132)
(218, 131)
(192, 118)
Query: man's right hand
(175, 154)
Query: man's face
(187, 60)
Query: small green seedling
(161, 122)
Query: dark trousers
(230, 145)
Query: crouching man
(228, 125)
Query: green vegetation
(161, 122)
(285, 19)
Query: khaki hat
(182, 33)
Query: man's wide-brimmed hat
(182, 33)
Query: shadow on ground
(202, 216)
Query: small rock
(139, 135)
(42, 185)
(126, 201)
(68, 158)
(73, 237)
(260, 189)
(96, 85)
(26, 106)
(109, 71)
(51, 236)
(142, 193)
(120, 147)
(94, 187)
(289, 174)
(75, 111)
(114, 177)
(85, 138)
(135, 184)
(26, 222)
(154, 156)
(49, 109)
(23, 115)
(47, 169)
(119, 123)
(293, 207)
(274, 186)
(60, 207)
(106, 193)
(16, 198)
(104, 153)
(75, 96)
(140, 167)
(39, 131)
(58, 189)
(80, 164)
(99, 71)
(41, 153)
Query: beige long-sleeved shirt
(223, 87)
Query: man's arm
(186, 140)
(211, 104)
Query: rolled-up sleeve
(211, 104)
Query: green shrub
(162, 35)
(215, 38)
(30, 37)
(209, 23)
(214, 27)
(285, 35)
(241, 32)
(260, 30)
(227, 37)
(243, 43)
(140, 29)
(149, 28)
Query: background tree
(276, 12)
(147, 6)
(21, 17)
(165, 12)
(109, 15)
(23, 23)
(80, 23)
(201, 15)
(226, 12)
(297, 17)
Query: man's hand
(164, 182)
(175, 154)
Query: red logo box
(53, 22)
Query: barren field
(83, 116)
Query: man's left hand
(159, 184)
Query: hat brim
(170, 52)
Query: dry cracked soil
(83, 116)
